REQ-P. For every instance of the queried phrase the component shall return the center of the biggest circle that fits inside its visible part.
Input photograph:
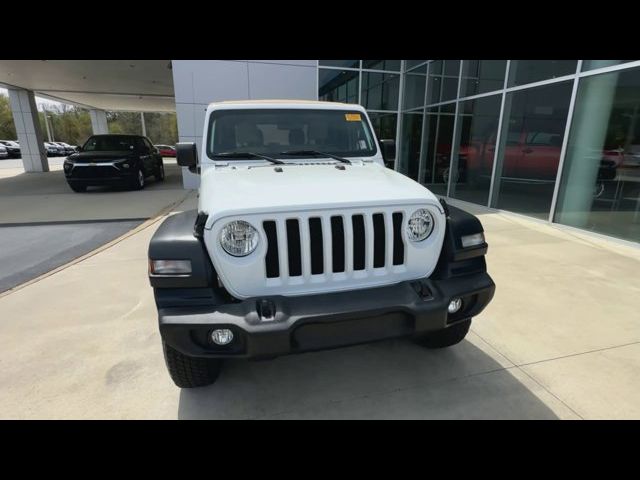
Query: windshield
(110, 143)
(274, 131)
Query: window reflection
(443, 80)
(384, 124)
(533, 129)
(412, 63)
(380, 90)
(600, 187)
(593, 64)
(473, 165)
(522, 72)
(338, 85)
(411, 141)
(415, 82)
(393, 65)
(436, 151)
(340, 63)
(481, 76)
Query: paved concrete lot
(43, 224)
(560, 340)
(46, 197)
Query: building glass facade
(375, 84)
(557, 140)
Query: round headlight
(239, 238)
(420, 225)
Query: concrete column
(27, 123)
(144, 125)
(591, 117)
(99, 122)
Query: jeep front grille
(318, 245)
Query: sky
(41, 102)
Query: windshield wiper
(316, 153)
(247, 154)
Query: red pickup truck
(529, 157)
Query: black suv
(118, 160)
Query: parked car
(303, 240)
(66, 148)
(118, 160)
(53, 150)
(13, 148)
(3, 152)
(166, 150)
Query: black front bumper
(324, 321)
(95, 176)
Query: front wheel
(159, 175)
(446, 337)
(137, 182)
(190, 372)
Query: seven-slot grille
(321, 245)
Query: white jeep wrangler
(304, 240)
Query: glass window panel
(380, 91)
(340, 63)
(477, 125)
(412, 63)
(600, 185)
(338, 85)
(534, 124)
(384, 125)
(593, 64)
(452, 68)
(443, 80)
(522, 72)
(436, 151)
(411, 141)
(393, 65)
(435, 81)
(414, 85)
(450, 80)
(482, 76)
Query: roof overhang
(114, 85)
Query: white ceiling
(135, 85)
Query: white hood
(235, 191)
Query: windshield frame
(216, 113)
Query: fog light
(455, 305)
(222, 336)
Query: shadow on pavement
(393, 379)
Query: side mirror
(187, 155)
(388, 147)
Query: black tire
(159, 175)
(78, 188)
(446, 337)
(190, 372)
(138, 181)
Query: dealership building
(555, 140)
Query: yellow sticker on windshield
(352, 117)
